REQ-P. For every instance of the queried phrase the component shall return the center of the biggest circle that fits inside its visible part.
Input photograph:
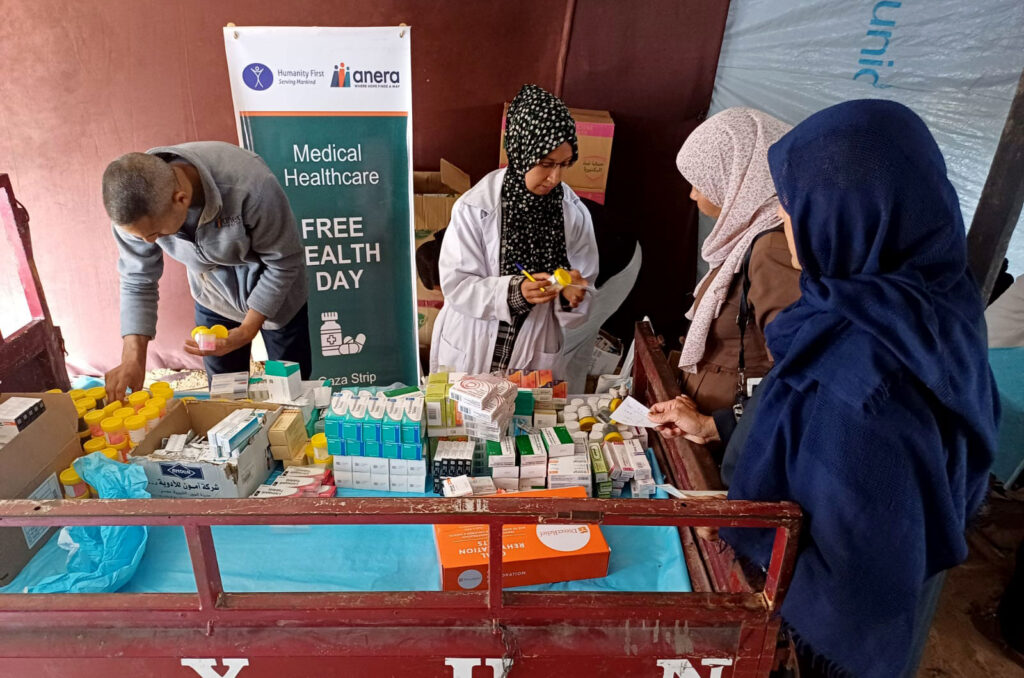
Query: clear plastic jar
(137, 400)
(319, 444)
(152, 416)
(136, 427)
(159, 404)
(113, 429)
(74, 486)
(123, 412)
(161, 389)
(92, 420)
(122, 448)
(95, 445)
(99, 394)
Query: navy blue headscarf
(880, 415)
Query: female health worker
(517, 221)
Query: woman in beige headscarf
(726, 162)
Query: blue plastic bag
(101, 559)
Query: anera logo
(342, 76)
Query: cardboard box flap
(454, 178)
(450, 181)
(428, 183)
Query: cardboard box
(594, 133)
(415, 483)
(288, 435)
(29, 465)
(531, 554)
(239, 477)
(435, 193)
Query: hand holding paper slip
(632, 413)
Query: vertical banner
(330, 111)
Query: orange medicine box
(531, 554)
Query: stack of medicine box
(533, 462)
(522, 420)
(552, 458)
(299, 481)
(486, 404)
(600, 473)
(568, 460)
(452, 459)
(288, 439)
(465, 486)
(377, 442)
(443, 418)
(232, 433)
(501, 459)
(549, 394)
(230, 386)
(627, 463)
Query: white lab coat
(476, 295)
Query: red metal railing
(689, 465)
(212, 605)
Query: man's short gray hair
(137, 185)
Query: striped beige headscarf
(726, 159)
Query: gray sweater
(246, 253)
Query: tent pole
(1001, 199)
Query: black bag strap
(743, 317)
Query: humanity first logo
(257, 76)
(346, 76)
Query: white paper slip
(632, 413)
(672, 491)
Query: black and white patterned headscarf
(533, 226)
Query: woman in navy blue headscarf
(880, 415)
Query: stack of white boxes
(501, 458)
(232, 433)
(627, 463)
(533, 462)
(407, 475)
(486, 404)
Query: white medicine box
(283, 380)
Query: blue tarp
(1008, 368)
(360, 558)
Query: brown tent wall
(86, 82)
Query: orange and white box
(531, 554)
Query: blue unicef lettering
(878, 49)
(257, 77)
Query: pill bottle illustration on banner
(333, 342)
